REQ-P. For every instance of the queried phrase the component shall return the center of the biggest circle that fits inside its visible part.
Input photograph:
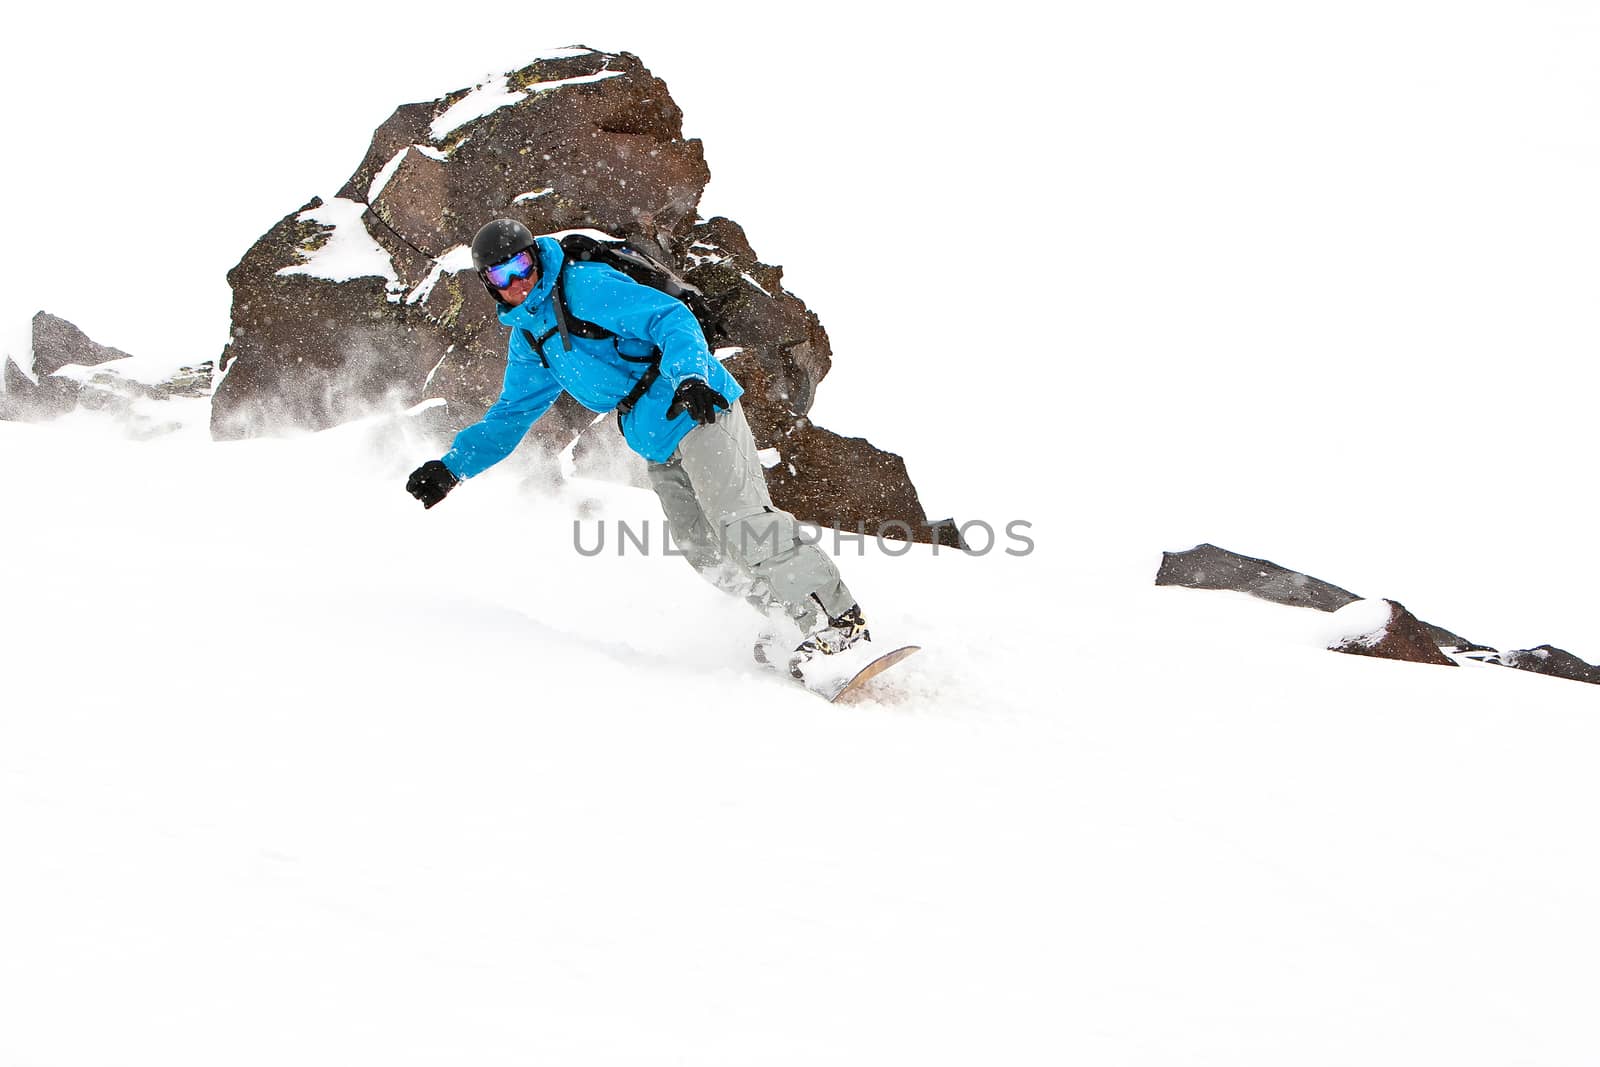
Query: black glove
(699, 400)
(430, 482)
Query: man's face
(515, 278)
(515, 293)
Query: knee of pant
(667, 481)
(760, 535)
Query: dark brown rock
(1547, 659)
(309, 352)
(844, 483)
(406, 127)
(414, 205)
(597, 142)
(1402, 637)
(1209, 567)
(784, 351)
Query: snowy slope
(291, 770)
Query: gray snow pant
(716, 503)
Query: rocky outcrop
(1209, 567)
(834, 468)
(367, 300)
(1397, 635)
(25, 400)
(57, 343)
(1547, 659)
(64, 363)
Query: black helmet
(498, 242)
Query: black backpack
(642, 268)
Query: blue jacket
(595, 372)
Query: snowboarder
(615, 344)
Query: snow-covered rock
(1358, 626)
(71, 371)
(1556, 662)
(57, 342)
(1385, 629)
(363, 301)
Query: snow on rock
(348, 251)
(1384, 629)
(495, 93)
(582, 79)
(586, 231)
(488, 97)
(1360, 622)
(454, 261)
(1548, 659)
(385, 173)
(701, 253)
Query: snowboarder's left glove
(430, 482)
(699, 400)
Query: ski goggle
(503, 274)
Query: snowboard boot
(840, 634)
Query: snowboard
(835, 677)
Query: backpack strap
(568, 325)
(537, 343)
(642, 386)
